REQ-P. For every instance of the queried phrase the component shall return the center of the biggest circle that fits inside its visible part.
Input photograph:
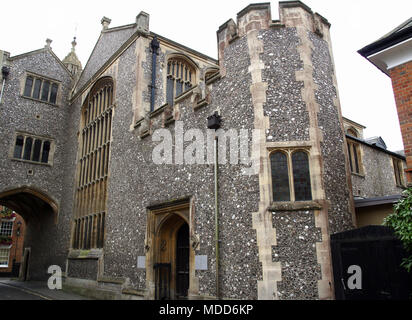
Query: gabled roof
(110, 40)
(377, 141)
(45, 49)
(110, 43)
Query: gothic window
(354, 157)
(31, 148)
(290, 176)
(397, 168)
(92, 167)
(180, 78)
(352, 132)
(41, 89)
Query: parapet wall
(258, 16)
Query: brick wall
(402, 87)
(16, 250)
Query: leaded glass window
(301, 176)
(28, 86)
(44, 90)
(280, 177)
(290, 175)
(18, 147)
(31, 148)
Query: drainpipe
(154, 45)
(213, 122)
(5, 72)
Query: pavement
(12, 289)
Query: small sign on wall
(141, 262)
(201, 262)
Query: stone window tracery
(93, 166)
(180, 78)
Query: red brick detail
(402, 88)
(16, 251)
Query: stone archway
(29, 202)
(40, 213)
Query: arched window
(354, 157)
(93, 166)
(180, 78)
(280, 176)
(352, 132)
(290, 176)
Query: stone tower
(296, 107)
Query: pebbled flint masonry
(275, 77)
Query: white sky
(365, 92)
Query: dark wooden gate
(182, 262)
(378, 253)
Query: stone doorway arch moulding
(163, 222)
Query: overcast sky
(365, 92)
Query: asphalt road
(12, 293)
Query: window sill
(157, 111)
(294, 206)
(41, 101)
(360, 175)
(32, 162)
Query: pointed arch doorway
(170, 256)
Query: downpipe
(216, 216)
